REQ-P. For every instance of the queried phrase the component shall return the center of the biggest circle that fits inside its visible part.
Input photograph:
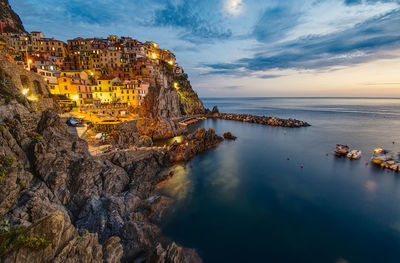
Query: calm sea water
(245, 202)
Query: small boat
(381, 156)
(72, 122)
(395, 167)
(354, 154)
(387, 164)
(341, 150)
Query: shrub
(12, 239)
(5, 163)
(35, 136)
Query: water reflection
(225, 179)
(168, 142)
(180, 185)
(371, 186)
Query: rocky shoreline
(263, 120)
(89, 208)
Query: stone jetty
(264, 120)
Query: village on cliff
(95, 77)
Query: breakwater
(264, 120)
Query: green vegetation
(36, 137)
(5, 163)
(9, 94)
(84, 234)
(12, 239)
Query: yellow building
(127, 94)
(76, 89)
(104, 89)
(54, 88)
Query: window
(65, 88)
(127, 97)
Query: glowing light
(175, 85)
(25, 91)
(378, 150)
(75, 97)
(154, 55)
(171, 62)
(234, 7)
(29, 61)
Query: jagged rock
(113, 250)
(56, 228)
(200, 141)
(56, 188)
(160, 128)
(126, 134)
(229, 136)
(264, 120)
(11, 18)
(170, 96)
(174, 254)
(215, 110)
(145, 141)
(81, 249)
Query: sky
(248, 48)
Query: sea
(280, 195)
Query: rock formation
(264, 120)
(229, 136)
(193, 144)
(170, 95)
(67, 205)
(160, 128)
(12, 20)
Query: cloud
(275, 23)
(352, 2)
(269, 76)
(363, 42)
(233, 87)
(196, 25)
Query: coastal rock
(200, 141)
(174, 254)
(125, 135)
(145, 141)
(170, 95)
(160, 128)
(229, 136)
(215, 110)
(264, 120)
(98, 208)
(55, 228)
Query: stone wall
(22, 79)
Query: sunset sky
(248, 47)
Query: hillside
(11, 19)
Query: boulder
(229, 136)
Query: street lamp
(29, 64)
(25, 91)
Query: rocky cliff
(58, 203)
(170, 95)
(12, 20)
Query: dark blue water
(245, 202)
